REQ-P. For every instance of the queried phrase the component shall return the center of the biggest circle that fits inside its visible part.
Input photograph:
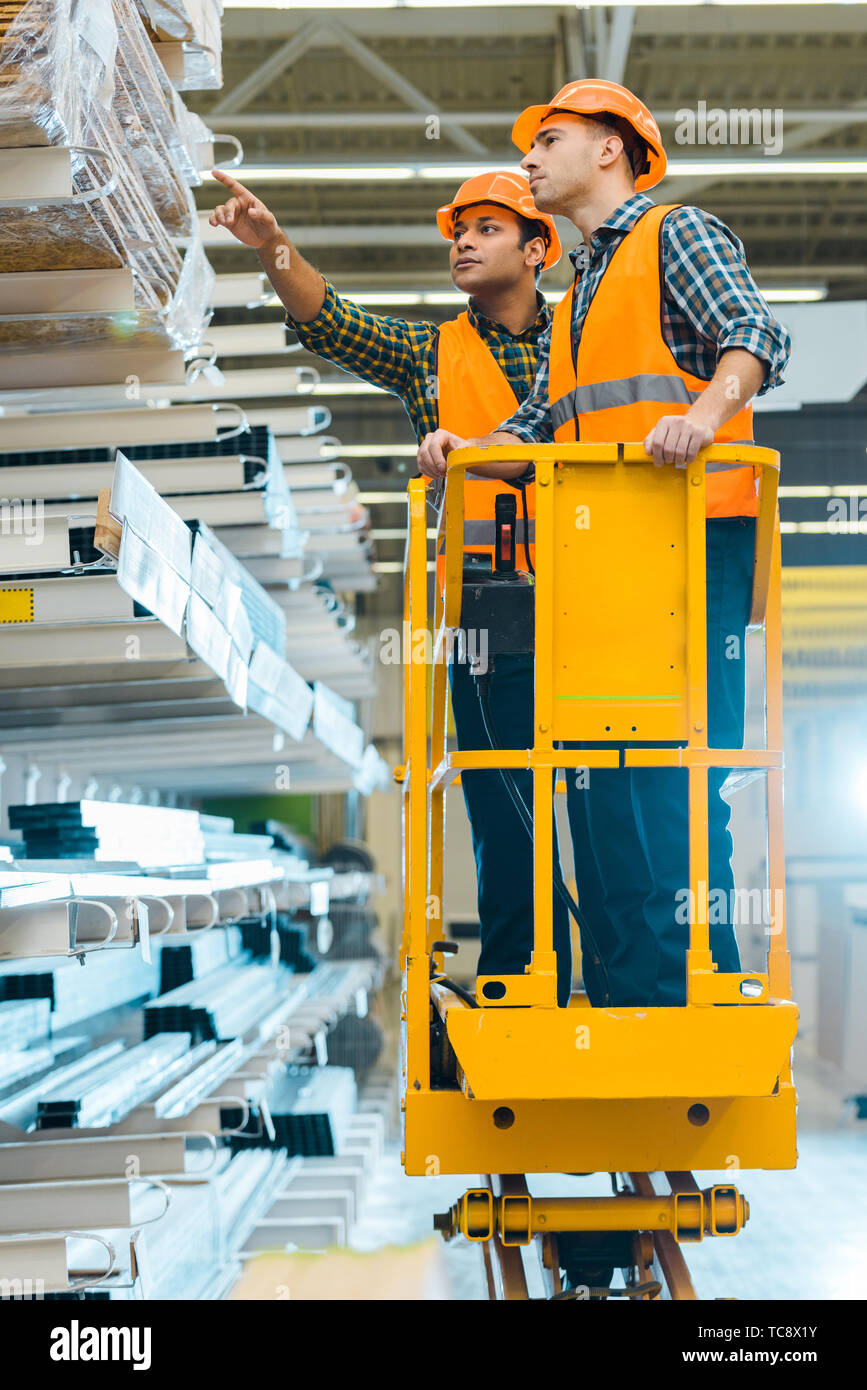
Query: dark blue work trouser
(638, 818)
(629, 828)
(502, 847)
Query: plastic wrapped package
(68, 236)
(146, 242)
(55, 56)
(190, 308)
(118, 196)
(203, 71)
(195, 136)
(144, 107)
(41, 332)
(196, 25)
(181, 19)
(180, 326)
(199, 143)
(111, 220)
(130, 110)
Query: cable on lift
(455, 988)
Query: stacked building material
(107, 1090)
(91, 145)
(107, 982)
(110, 831)
(226, 1004)
(183, 961)
(186, 36)
(310, 1109)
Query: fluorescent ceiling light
(396, 566)
(456, 297)
(370, 451)
(403, 4)
(346, 388)
(384, 499)
(767, 166)
(826, 528)
(760, 168)
(488, 4)
(445, 298)
(805, 294)
(377, 298)
(282, 173)
(461, 171)
(837, 490)
(397, 533)
(373, 299)
(797, 491)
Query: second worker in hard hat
(466, 374)
(663, 339)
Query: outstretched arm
(296, 282)
(376, 348)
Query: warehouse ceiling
(321, 86)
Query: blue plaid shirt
(710, 304)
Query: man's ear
(536, 247)
(612, 149)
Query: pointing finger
(232, 184)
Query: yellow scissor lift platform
(620, 631)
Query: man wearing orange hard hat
(466, 375)
(664, 338)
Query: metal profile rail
(113, 1086)
(212, 1063)
(93, 429)
(75, 927)
(33, 1264)
(157, 1155)
(63, 1206)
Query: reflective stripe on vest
(473, 398)
(600, 395)
(625, 376)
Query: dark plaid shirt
(401, 356)
(710, 304)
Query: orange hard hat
(592, 97)
(507, 190)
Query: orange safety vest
(624, 377)
(474, 397)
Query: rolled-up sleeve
(377, 348)
(707, 276)
(532, 420)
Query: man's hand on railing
(677, 439)
(435, 449)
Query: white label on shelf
(319, 897)
(334, 726)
